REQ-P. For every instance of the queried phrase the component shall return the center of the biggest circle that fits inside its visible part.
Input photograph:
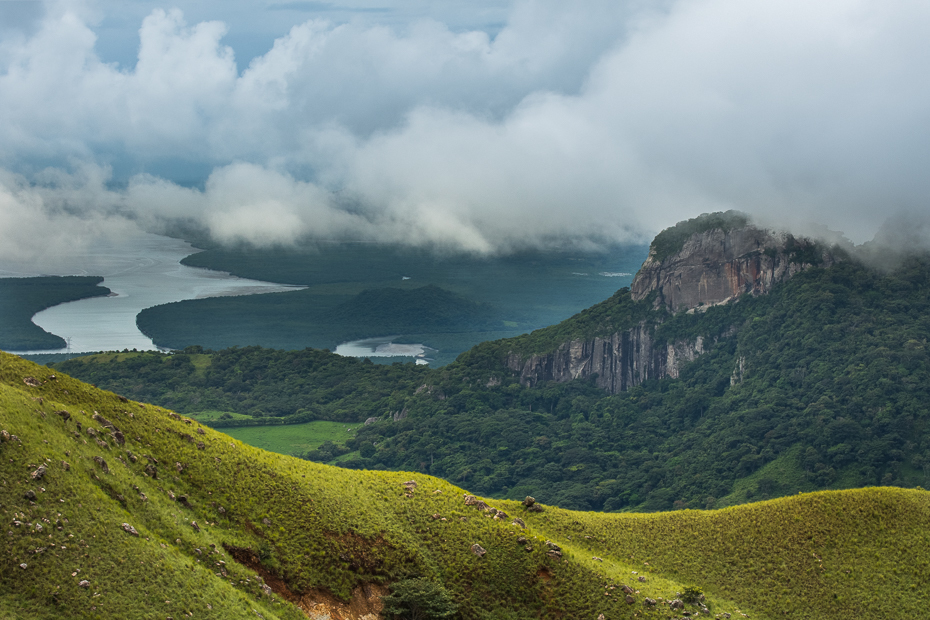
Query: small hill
(115, 509)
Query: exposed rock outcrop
(712, 266)
(622, 361)
(716, 265)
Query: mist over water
(142, 270)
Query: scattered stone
(103, 464)
(195, 526)
(528, 547)
(370, 421)
(182, 499)
(174, 416)
(601, 617)
(649, 601)
(24, 566)
(151, 471)
(641, 579)
(676, 604)
(122, 399)
(83, 583)
(521, 540)
(410, 485)
(187, 437)
(221, 510)
(65, 466)
(130, 529)
(32, 381)
(266, 521)
(267, 589)
(103, 444)
(200, 431)
(629, 599)
(519, 521)
(64, 414)
(103, 421)
(470, 500)
(179, 467)
(478, 550)
(171, 496)
(626, 589)
(4, 435)
(480, 505)
(597, 559)
(553, 546)
(39, 472)
(118, 437)
(552, 553)
(91, 431)
(529, 501)
(436, 516)
(535, 508)
(30, 495)
(200, 445)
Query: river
(142, 271)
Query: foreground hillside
(114, 509)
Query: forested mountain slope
(120, 510)
(817, 379)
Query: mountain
(117, 509)
(710, 260)
(818, 380)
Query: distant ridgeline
(740, 365)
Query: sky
(485, 126)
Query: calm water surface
(142, 271)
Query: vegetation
(153, 515)
(449, 302)
(671, 240)
(22, 298)
(820, 384)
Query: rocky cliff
(714, 266)
(697, 264)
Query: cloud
(567, 126)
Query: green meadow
(116, 509)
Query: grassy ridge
(822, 555)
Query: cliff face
(716, 266)
(620, 362)
(712, 267)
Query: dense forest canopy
(822, 383)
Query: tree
(418, 599)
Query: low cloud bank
(569, 127)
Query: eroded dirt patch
(318, 604)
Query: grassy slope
(822, 555)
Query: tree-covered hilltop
(822, 383)
(21, 298)
(119, 510)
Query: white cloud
(605, 123)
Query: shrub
(418, 599)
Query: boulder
(4, 435)
(103, 464)
(529, 501)
(676, 604)
(118, 437)
(64, 414)
(195, 526)
(200, 431)
(39, 472)
(478, 550)
(30, 495)
(519, 521)
(649, 601)
(32, 381)
(641, 579)
(470, 500)
(103, 421)
(629, 599)
(129, 529)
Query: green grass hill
(115, 509)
